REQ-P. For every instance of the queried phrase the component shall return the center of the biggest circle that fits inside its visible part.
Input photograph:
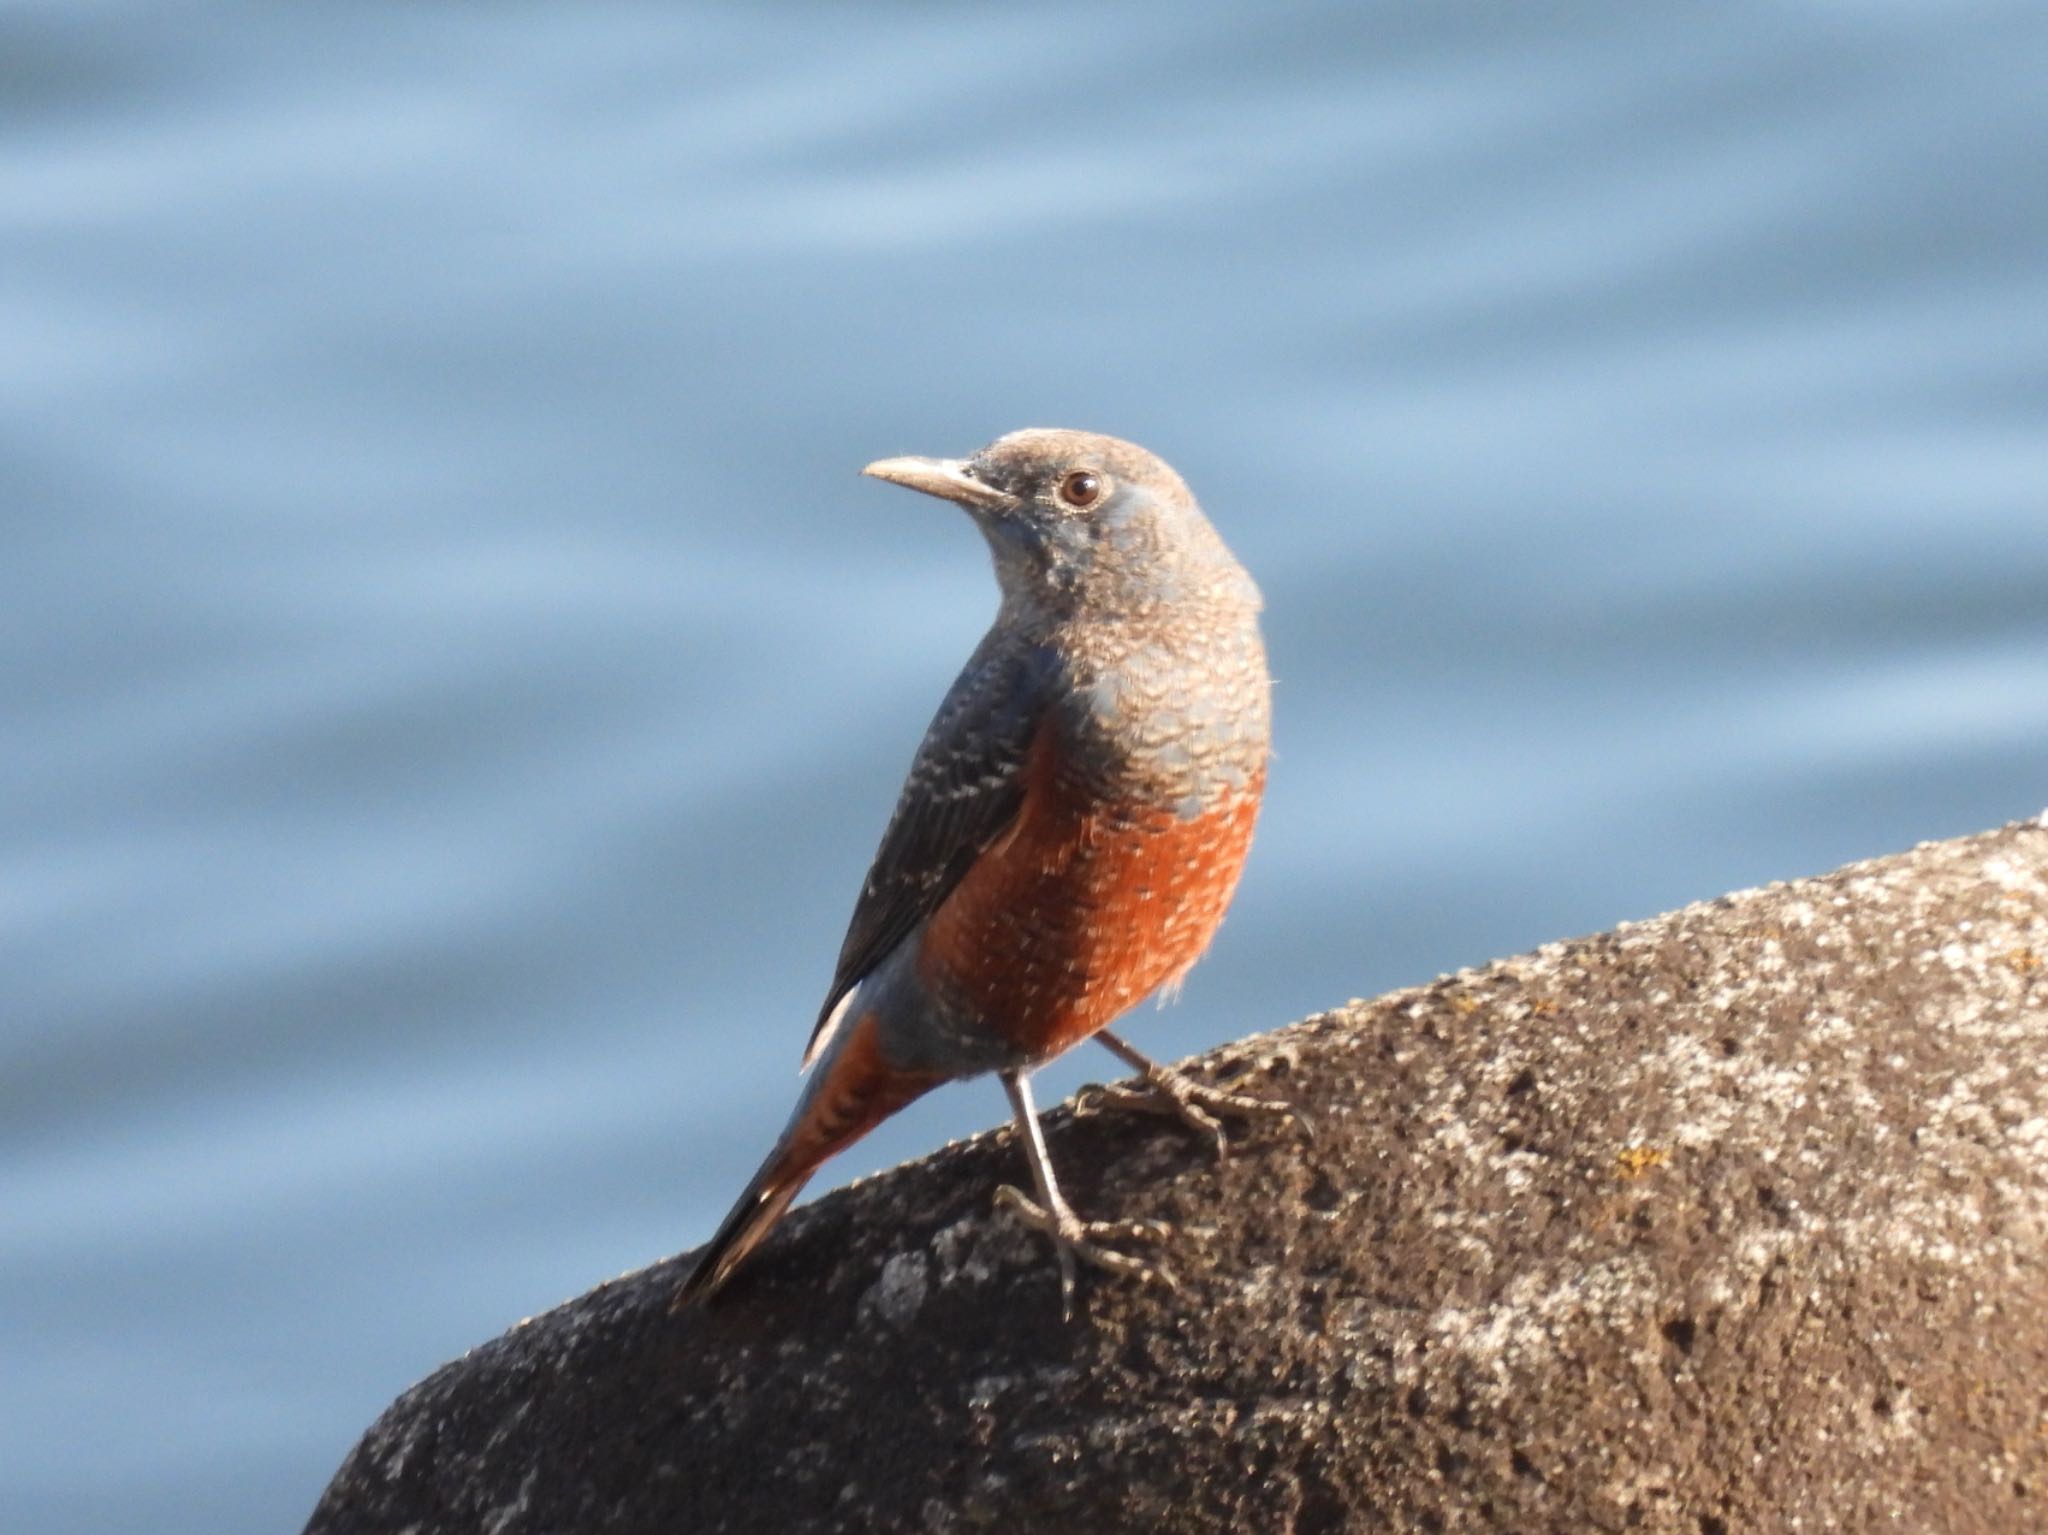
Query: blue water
(454, 678)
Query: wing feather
(962, 794)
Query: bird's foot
(1202, 1108)
(1074, 1238)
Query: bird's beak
(946, 478)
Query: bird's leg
(1051, 1216)
(1201, 1107)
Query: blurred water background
(453, 678)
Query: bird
(1070, 832)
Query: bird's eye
(1081, 489)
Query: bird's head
(1078, 521)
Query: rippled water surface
(454, 679)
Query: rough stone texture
(1734, 1220)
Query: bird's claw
(1073, 1238)
(1197, 1105)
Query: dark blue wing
(964, 790)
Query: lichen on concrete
(1731, 1220)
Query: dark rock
(1735, 1220)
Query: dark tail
(850, 1091)
(743, 1230)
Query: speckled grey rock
(1734, 1220)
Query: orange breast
(1084, 908)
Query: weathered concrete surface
(1735, 1220)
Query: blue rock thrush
(1069, 835)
